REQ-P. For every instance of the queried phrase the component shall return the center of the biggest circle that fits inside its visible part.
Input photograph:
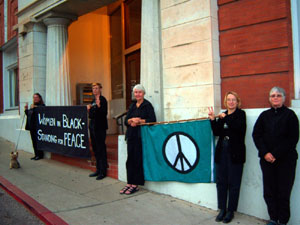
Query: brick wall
(1, 84)
(255, 49)
(12, 19)
(1, 22)
(1, 43)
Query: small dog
(14, 160)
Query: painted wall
(256, 49)
(23, 3)
(88, 46)
(251, 196)
(89, 55)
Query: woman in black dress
(230, 154)
(140, 111)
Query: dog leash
(16, 149)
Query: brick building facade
(187, 55)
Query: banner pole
(176, 121)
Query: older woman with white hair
(275, 134)
(140, 111)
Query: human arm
(289, 135)
(258, 137)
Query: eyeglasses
(231, 100)
(275, 96)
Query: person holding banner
(140, 111)
(98, 126)
(276, 134)
(31, 124)
(230, 154)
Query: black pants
(228, 179)
(134, 163)
(37, 152)
(99, 148)
(278, 180)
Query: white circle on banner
(181, 152)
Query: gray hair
(139, 87)
(279, 90)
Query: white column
(57, 67)
(151, 68)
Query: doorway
(125, 45)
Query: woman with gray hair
(275, 134)
(140, 111)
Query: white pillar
(57, 68)
(151, 68)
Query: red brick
(1, 83)
(276, 60)
(249, 12)
(12, 19)
(258, 37)
(1, 26)
(254, 90)
(221, 2)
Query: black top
(30, 122)
(145, 111)
(98, 115)
(277, 131)
(234, 127)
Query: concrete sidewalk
(61, 193)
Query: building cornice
(11, 43)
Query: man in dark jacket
(98, 126)
(275, 134)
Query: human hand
(89, 106)
(134, 121)
(26, 106)
(269, 157)
(222, 115)
(98, 102)
(211, 114)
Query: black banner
(63, 130)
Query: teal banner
(178, 152)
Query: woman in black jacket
(98, 126)
(140, 111)
(230, 154)
(31, 124)
(275, 134)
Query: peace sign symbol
(181, 152)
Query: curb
(36, 208)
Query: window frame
(12, 70)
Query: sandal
(124, 189)
(131, 190)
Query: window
(133, 10)
(13, 93)
(116, 54)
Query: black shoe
(100, 177)
(37, 158)
(229, 216)
(221, 215)
(33, 158)
(94, 174)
